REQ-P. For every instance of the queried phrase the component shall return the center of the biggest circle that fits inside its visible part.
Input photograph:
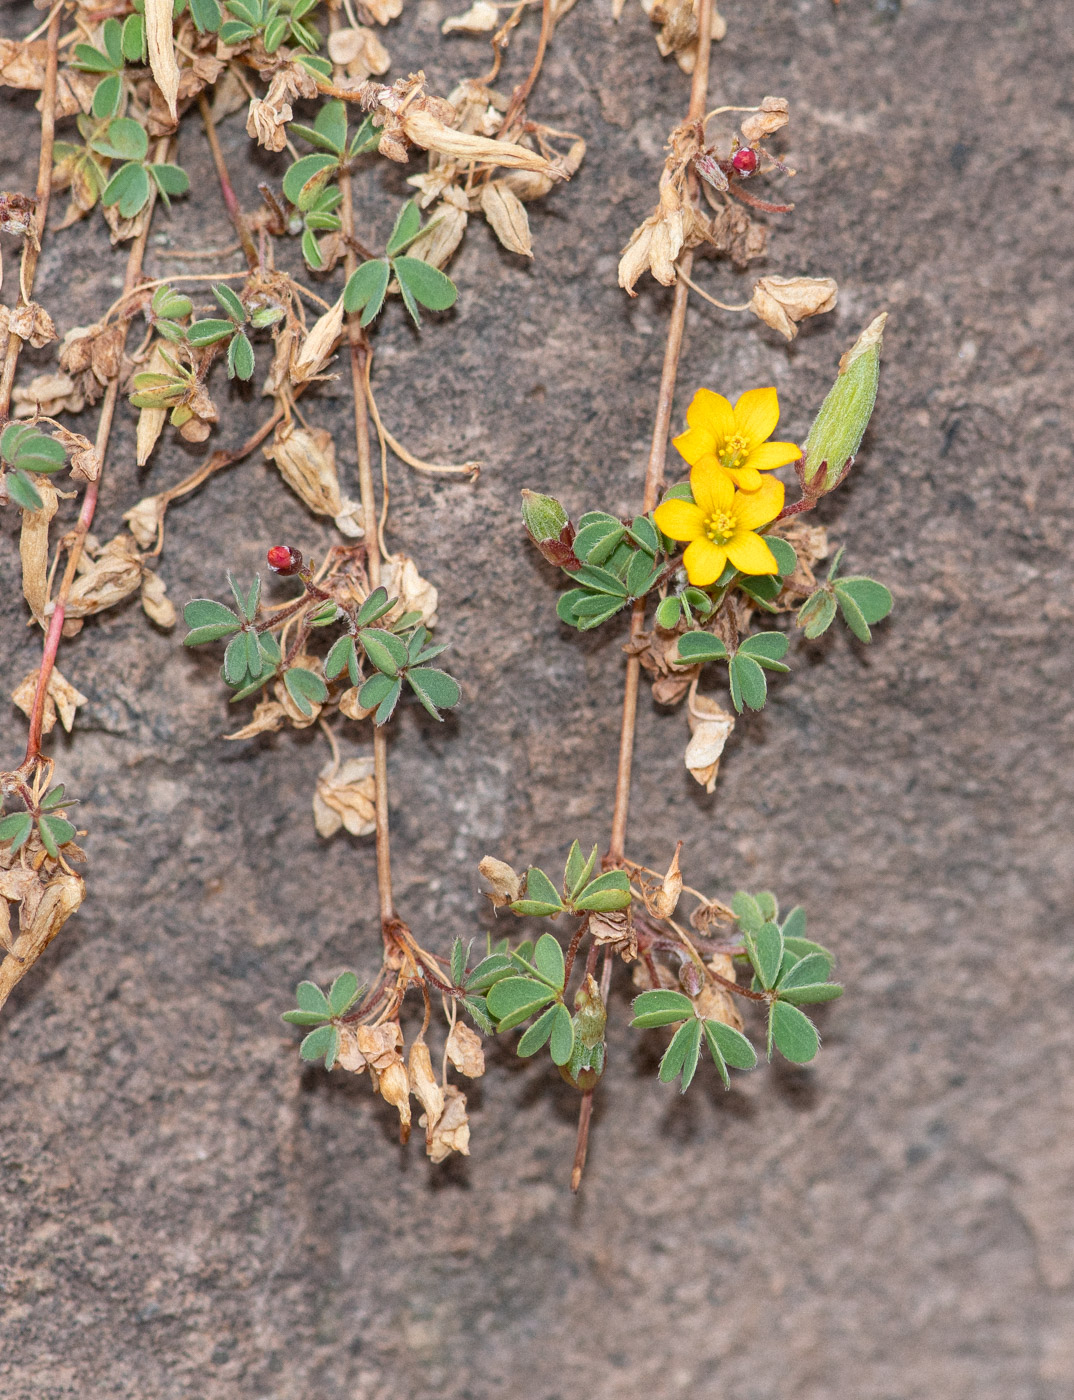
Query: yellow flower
(736, 438)
(720, 526)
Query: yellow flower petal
(756, 415)
(692, 444)
(681, 520)
(712, 487)
(714, 415)
(745, 478)
(704, 562)
(749, 554)
(770, 455)
(754, 508)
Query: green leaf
(329, 130)
(765, 949)
(793, 1033)
(660, 1008)
(786, 558)
(230, 303)
(817, 613)
(311, 249)
(406, 229)
(366, 138)
(873, 599)
(600, 581)
(668, 613)
(375, 606)
(476, 1007)
(37, 452)
(515, 999)
(55, 798)
(23, 492)
(766, 648)
(309, 997)
(640, 575)
(366, 287)
(16, 828)
(681, 1055)
(548, 959)
(732, 1044)
(11, 437)
(302, 1018)
(833, 567)
(386, 708)
(386, 652)
(429, 286)
(594, 542)
(240, 357)
(607, 892)
(305, 688)
(747, 911)
(852, 615)
(232, 32)
(55, 832)
(206, 15)
(435, 689)
(253, 654)
(207, 612)
(112, 34)
(305, 180)
(209, 331)
(578, 869)
(375, 690)
(324, 1041)
(812, 968)
(535, 1037)
(91, 60)
(235, 660)
(167, 302)
(342, 658)
(270, 651)
(107, 96)
(697, 647)
(540, 893)
(216, 633)
(748, 685)
(458, 962)
(562, 1039)
(344, 993)
(169, 180)
(767, 903)
(812, 992)
(489, 971)
(645, 533)
(124, 139)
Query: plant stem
(231, 199)
(77, 537)
(582, 1141)
(522, 92)
(654, 473)
(360, 356)
(32, 245)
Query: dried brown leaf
(268, 716)
(156, 604)
(781, 302)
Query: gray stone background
(185, 1213)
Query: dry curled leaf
(349, 1056)
(84, 462)
(663, 902)
(443, 233)
(33, 548)
(678, 28)
(781, 302)
(48, 394)
(61, 699)
(770, 116)
(30, 323)
(710, 728)
(40, 920)
(614, 929)
(464, 1050)
(381, 11)
(381, 1044)
(732, 232)
(506, 883)
(451, 1132)
(345, 796)
(106, 580)
(349, 706)
(319, 345)
(306, 458)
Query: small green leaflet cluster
(727, 1046)
(24, 449)
(253, 658)
(307, 184)
(581, 893)
(618, 564)
(746, 667)
(52, 826)
(273, 22)
(122, 44)
(419, 282)
(123, 139)
(323, 1011)
(214, 330)
(862, 601)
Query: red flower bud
(745, 161)
(283, 559)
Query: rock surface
(185, 1212)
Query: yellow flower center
(719, 527)
(734, 452)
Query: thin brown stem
(231, 199)
(360, 355)
(77, 538)
(522, 92)
(582, 1140)
(654, 472)
(32, 247)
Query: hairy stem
(77, 537)
(654, 473)
(32, 246)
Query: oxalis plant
(349, 637)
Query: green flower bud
(844, 415)
(550, 529)
(590, 1015)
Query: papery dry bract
(269, 715)
(49, 394)
(507, 216)
(30, 323)
(83, 462)
(381, 11)
(143, 519)
(710, 728)
(423, 1083)
(42, 914)
(156, 604)
(306, 458)
(715, 1003)
(415, 594)
(506, 883)
(662, 903)
(34, 550)
(614, 929)
(480, 18)
(161, 49)
(678, 33)
(465, 1051)
(319, 345)
(451, 1132)
(345, 796)
(359, 52)
(772, 115)
(114, 574)
(61, 699)
(781, 302)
